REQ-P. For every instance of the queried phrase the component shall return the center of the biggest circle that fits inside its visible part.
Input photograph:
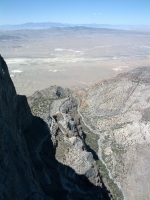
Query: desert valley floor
(71, 57)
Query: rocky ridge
(28, 167)
(102, 131)
(75, 145)
(117, 110)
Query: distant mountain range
(46, 25)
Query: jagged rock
(68, 135)
(28, 168)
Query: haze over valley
(71, 57)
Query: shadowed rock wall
(28, 168)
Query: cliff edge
(28, 168)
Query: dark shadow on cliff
(56, 180)
(28, 168)
(88, 148)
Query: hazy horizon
(65, 23)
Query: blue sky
(134, 12)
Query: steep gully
(100, 157)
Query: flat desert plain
(71, 57)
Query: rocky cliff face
(60, 112)
(28, 168)
(75, 144)
(102, 132)
(117, 110)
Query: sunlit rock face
(118, 110)
(28, 168)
